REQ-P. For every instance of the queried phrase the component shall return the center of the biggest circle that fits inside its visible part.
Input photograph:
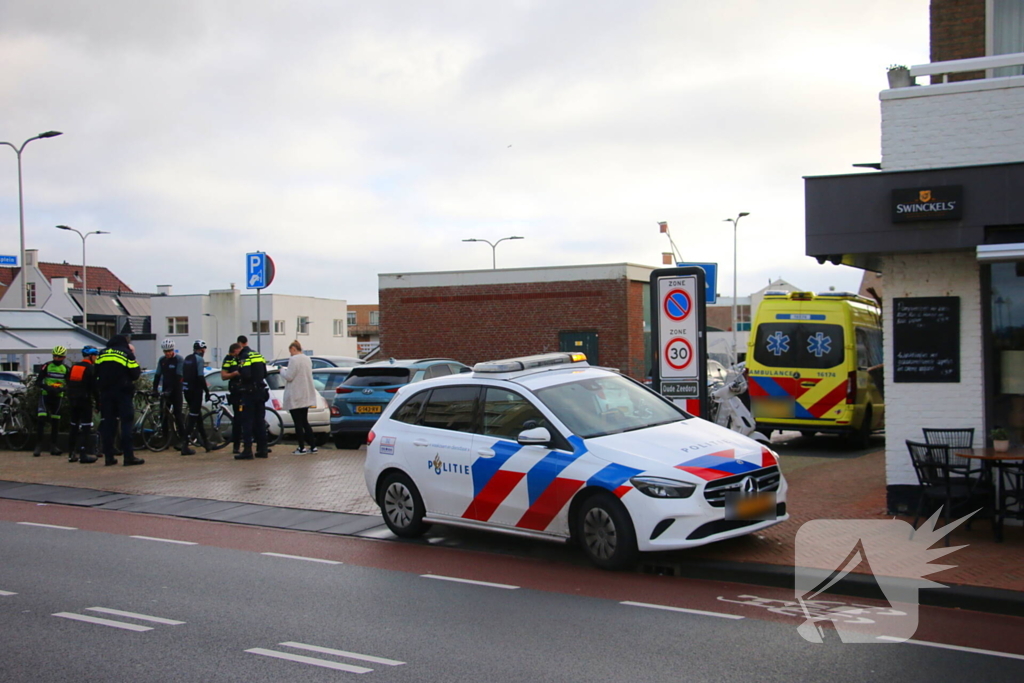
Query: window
(177, 325)
(812, 346)
(351, 317)
(302, 325)
(1007, 33)
(439, 370)
(263, 326)
(375, 317)
(607, 405)
(506, 414)
(452, 408)
(339, 328)
(410, 410)
(30, 294)
(278, 327)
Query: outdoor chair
(955, 438)
(1011, 493)
(941, 482)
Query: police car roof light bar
(529, 362)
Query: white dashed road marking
(6, 593)
(469, 581)
(958, 648)
(721, 615)
(164, 540)
(133, 615)
(325, 663)
(343, 653)
(118, 624)
(50, 526)
(299, 557)
(102, 622)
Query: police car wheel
(402, 506)
(605, 532)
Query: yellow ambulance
(814, 364)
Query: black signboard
(926, 339)
(928, 204)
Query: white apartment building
(320, 325)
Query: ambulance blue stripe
(484, 469)
(802, 413)
(613, 476)
(771, 387)
(540, 476)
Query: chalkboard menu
(926, 339)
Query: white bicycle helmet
(198, 344)
(167, 345)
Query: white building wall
(320, 340)
(199, 326)
(911, 407)
(954, 124)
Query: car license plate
(362, 410)
(759, 506)
(773, 408)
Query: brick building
(478, 315)
(943, 222)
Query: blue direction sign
(710, 279)
(8, 260)
(259, 270)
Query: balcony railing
(956, 66)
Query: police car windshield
(377, 377)
(607, 405)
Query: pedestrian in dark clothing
(116, 373)
(253, 372)
(195, 389)
(51, 380)
(82, 395)
(168, 373)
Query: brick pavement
(332, 480)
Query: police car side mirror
(539, 436)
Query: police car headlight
(658, 487)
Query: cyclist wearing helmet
(195, 390)
(82, 395)
(51, 380)
(169, 369)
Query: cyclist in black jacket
(195, 388)
(168, 371)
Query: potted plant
(899, 76)
(1000, 439)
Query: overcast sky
(348, 139)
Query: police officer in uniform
(253, 389)
(229, 371)
(51, 380)
(195, 389)
(116, 373)
(82, 393)
(168, 372)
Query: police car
(553, 448)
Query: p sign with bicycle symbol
(678, 353)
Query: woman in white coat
(299, 395)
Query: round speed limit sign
(678, 353)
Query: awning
(992, 253)
(27, 332)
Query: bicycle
(219, 419)
(14, 424)
(157, 422)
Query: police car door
(442, 448)
(515, 485)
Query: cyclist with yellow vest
(254, 394)
(51, 380)
(116, 372)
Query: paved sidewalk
(332, 480)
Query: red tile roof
(98, 276)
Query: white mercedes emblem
(748, 486)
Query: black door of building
(579, 341)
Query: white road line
(958, 648)
(134, 615)
(50, 526)
(469, 581)
(6, 593)
(310, 660)
(721, 615)
(103, 622)
(164, 540)
(300, 557)
(343, 653)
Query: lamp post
(216, 338)
(494, 247)
(21, 204)
(735, 321)
(85, 272)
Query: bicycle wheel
(17, 431)
(154, 435)
(217, 424)
(275, 426)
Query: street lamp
(21, 205)
(494, 247)
(735, 321)
(85, 272)
(216, 339)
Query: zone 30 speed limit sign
(678, 353)
(678, 346)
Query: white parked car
(550, 447)
(319, 417)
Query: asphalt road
(227, 604)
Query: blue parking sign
(710, 280)
(259, 270)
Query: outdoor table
(990, 458)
